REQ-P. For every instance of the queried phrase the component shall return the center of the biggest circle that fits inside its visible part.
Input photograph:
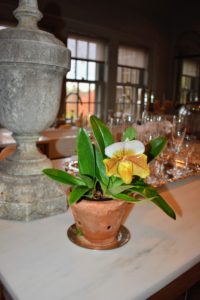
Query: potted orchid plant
(111, 175)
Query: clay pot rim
(102, 201)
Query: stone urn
(33, 64)
(99, 224)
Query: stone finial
(27, 13)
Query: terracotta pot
(99, 221)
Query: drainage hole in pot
(79, 223)
(109, 227)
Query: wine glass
(187, 152)
(176, 142)
(155, 128)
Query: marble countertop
(37, 261)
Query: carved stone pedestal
(32, 66)
(27, 198)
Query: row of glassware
(181, 156)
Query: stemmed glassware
(173, 161)
(176, 142)
(155, 126)
(188, 150)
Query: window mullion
(77, 101)
(89, 102)
(87, 61)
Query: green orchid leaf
(115, 181)
(159, 201)
(101, 133)
(100, 167)
(138, 189)
(77, 193)
(149, 192)
(130, 134)
(104, 189)
(155, 147)
(119, 189)
(89, 182)
(85, 152)
(126, 198)
(62, 177)
(139, 181)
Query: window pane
(145, 78)
(92, 93)
(186, 82)
(126, 75)
(97, 111)
(135, 76)
(71, 45)
(72, 100)
(82, 49)
(71, 110)
(91, 71)
(71, 87)
(133, 57)
(81, 72)
(100, 71)
(92, 51)
(120, 99)
(128, 93)
(72, 97)
(190, 68)
(96, 51)
(84, 92)
(100, 54)
(134, 95)
(119, 93)
(84, 97)
(119, 74)
(127, 100)
(92, 108)
(72, 73)
(83, 109)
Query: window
(189, 83)
(132, 77)
(85, 81)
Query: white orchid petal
(136, 146)
(110, 150)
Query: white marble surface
(37, 261)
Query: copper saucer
(123, 237)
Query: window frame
(98, 82)
(123, 106)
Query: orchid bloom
(126, 160)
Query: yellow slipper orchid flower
(126, 160)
